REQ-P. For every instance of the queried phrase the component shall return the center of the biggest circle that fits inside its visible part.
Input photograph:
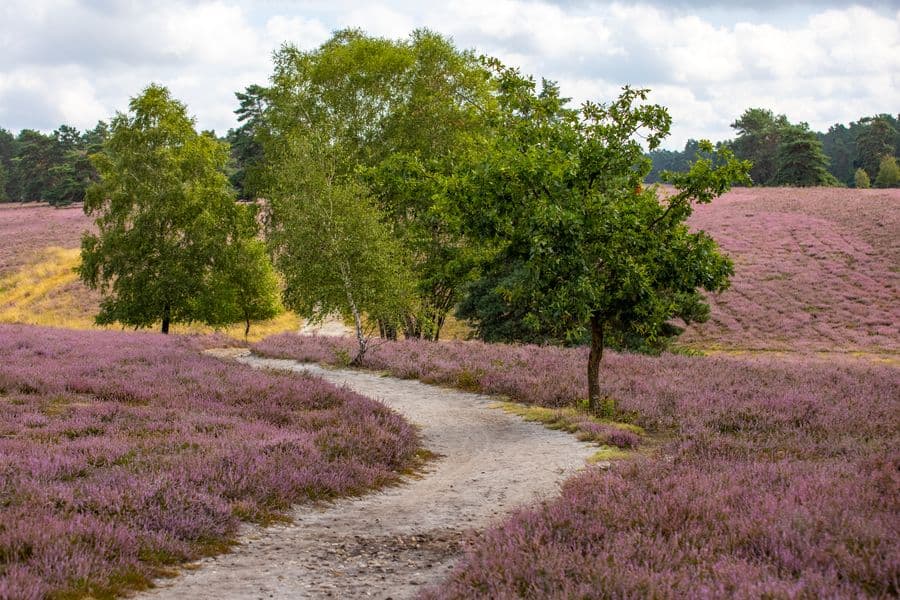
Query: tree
(888, 173)
(560, 196)
(74, 173)
(329, 242)
(243, 285)
(7, 152)
(36, 157)
(839, 145)
(246, 150)
(759, 134)
(861, 179)
(401, 111)
(875, 140)
(165, 216)
(800, 160)
(52, 168)
(671, 160)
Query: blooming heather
(773, 477)
(815, 269)
(121, 453)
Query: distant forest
(56, 167)
(861, 154)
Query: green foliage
(399, 113)
(328, 239)
(52, 168)
(246, 151)
(759, 133)
(7, 152)
(800, 159)
(888, 173)
(243, 285)
(169, 231)
(673, 160)
(876, 139)
(861, 179)
(579, 244)
(839, 145)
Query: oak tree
(591, 250)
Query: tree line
(861, 154)
(54, 168)
(401, 180)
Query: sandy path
(389, 543)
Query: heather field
(124, 454)
(770, 476)
(816, 269)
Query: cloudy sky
(78, 61)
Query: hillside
(816, 269)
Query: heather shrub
(815, 271)
(770, 476)
(713, 529)
(123, 453)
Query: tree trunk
(166, 317)
(386, 330)
(247, 328)
(360, 337)
(357, 319)
(411, 328)
(594, 359)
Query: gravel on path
(390, 543)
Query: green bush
(862, 179)
(888, 173)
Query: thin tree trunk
(386, 330)
(411, 328)
(167, 316)
(360, 338)
(247, 328)
(596, 355)
(357, 319)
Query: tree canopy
(580, 245)
(800, 159)
(329, 242)
(168, 225)
(784, 153)
(52, 168)
(396, 114)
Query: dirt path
(389, 544)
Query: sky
(822, 62)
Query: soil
(391, 543)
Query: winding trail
(388, 544)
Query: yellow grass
(34, 294)
(47, 292)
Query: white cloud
(77, 61)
